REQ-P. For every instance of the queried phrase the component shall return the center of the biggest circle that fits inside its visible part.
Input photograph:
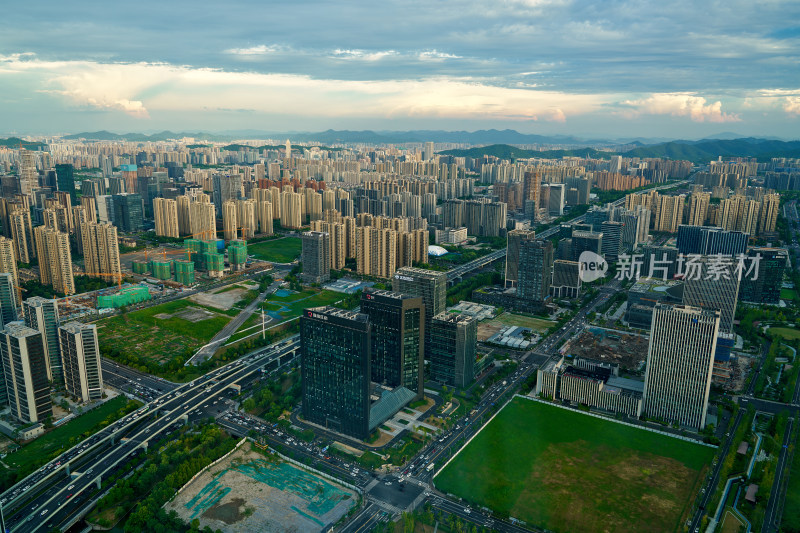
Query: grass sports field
(786, 333)
(283, 250)
(163, 331)
(566, 471)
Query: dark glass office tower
(128, 212)
(65, 178)
(398, 333)
(335, 354)
(453, 349)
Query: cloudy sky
(617, 68)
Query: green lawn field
(788, 294)
(292, 306)
(161, 339)
(791, 510)
(786, 333)
(283, 250)
(566, 471)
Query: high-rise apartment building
(535, 270)
(81, 355)
(291, 210)
(398, 338)
(680, 360)
(41, 314)
(768, 217)
(8, 261)
(203, 220)
(100, 249)
(452, 349)
(246, 218)
(668, 213)
(55, 259)
(698, 208)
(25, 373)
(22, 234)
(165, 212)
(712, 284)
(230, 222)
(515, 240)
(336, 352)
(28, 175)
(316, 256)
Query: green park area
(578, 473)
(161, 333)
(283, 250)
(536, 324)
(786, 333)
(285, 305)
(46, 447)
(788, 294)
(791, 510)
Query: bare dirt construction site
(629, 351)
(223, 298)
(251, 492)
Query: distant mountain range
(695, 151)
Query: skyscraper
(25, 372)
(22, 234)
(28, 176)
(680, 360)
(712, 284)
(335, 352)
(55, 259)
(65, 176)
(763, 285)
(515, 239)
(100, 249)
(8, 262)
(226, 188)
(203, 220)
(668, 213)
(8, 299)
(165, 212)
(81, 355)
(612, 239)
(41, 314)
(316, 256)
(398, 338)
(429, 284)
(535, 270)
(452, 349)
(128, 212)
(709, 240)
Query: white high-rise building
(680, 361)
(81, 355)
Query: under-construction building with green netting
(161, 269)
(140, 267)
(237, 254)
(206, 256)
(184, 272)
(126, 296)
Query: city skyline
(548, 67)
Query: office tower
(707, 240)
(22, 235)
(101, 249)
(165, 213)
(291, 210)
(203, 220)
(615, 164)
(452, 349)
(768, 217)
(398, 338)
(41, 314)
(25, 372)
(428, 151)
(698, 208)
(8, 262)
(531, 188)
(246, 218)
(586, 241)
(81, 355)
(556, 201)
(316, 257)
(230, 223)
(429, 284)
(105, 209)
(28, 175)
(116, 186)
(128, 212)
(264, 216)
(659, 262)
(55, 259)
(712, 283)
(335, 348)
(515, 239)
(65, 176)
(668, 213)
(226, 188)
(680, 360)
(763, 284)
(612, 239)
(535, 270)
(129, 178)
(8, 299)
(596, 216)
(566, 279)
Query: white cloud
(792, 105)
(363, 55)
(260, 50)
(435, 55)
(681, 105)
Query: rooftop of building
(76, 327)
(329, 310)
(454, 318)
(421, 272)
(19, 329)
(653, 285)
(388, 294)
